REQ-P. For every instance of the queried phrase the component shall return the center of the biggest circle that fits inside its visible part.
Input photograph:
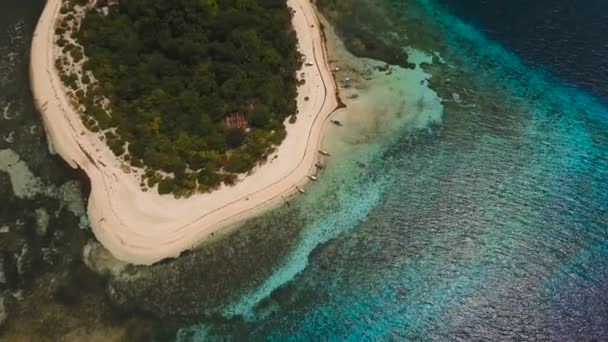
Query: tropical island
(193, 92)
(207, 122)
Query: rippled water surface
(490, 226)
(564, 36)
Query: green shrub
(230, 179)
(117, 146)
(136, 162)
(235, 137)
(260, 117)
(166, 186)
(153, 178)
(77, 55)
(278, 137)
(239, 162)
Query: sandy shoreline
(143, 227)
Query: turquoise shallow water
(489, 226)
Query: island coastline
(144, 227)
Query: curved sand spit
(144, 227)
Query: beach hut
(236, 120)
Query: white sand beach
(144, 227)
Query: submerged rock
(22, 260)
(3, 312)
(70, 194)
(24, 183)
(42, 221)
(2, 274)
(98, 259)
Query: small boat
(309, 64)
(319, 166)
(325, 153)
(300, 190)
(336, 69)
(312, 178)
(353, 96)
(336, 122)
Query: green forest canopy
(173, 70)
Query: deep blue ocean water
(567, 37)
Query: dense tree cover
(172, 70)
